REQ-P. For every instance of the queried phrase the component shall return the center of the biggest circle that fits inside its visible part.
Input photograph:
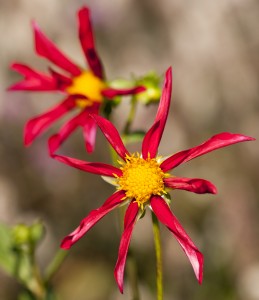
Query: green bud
(37, 232)
(21, 235)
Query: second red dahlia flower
(84, 90)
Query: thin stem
(159, 268)
(55, 264)
(130, 116)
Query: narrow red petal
(112, 135)
(153, 136)
(91, 167)
(129, 222)
(90, 127)
(56, 140)
(165, 216)
(37, 125)
(47, 49)
(94, 216)
(195, 185)
(33, 80)
(216, 142)
(87, 42)
(111, 92)
(62, 81)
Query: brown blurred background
(213, 47)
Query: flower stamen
(141, 178)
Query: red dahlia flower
(142, 181)
(84, 89)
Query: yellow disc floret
(89, 85)
(141, 178)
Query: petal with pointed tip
(33, 80)
(94, 217)
(87, 42)
(129, 222)
(112, 135)
(195, 185)
(216, 142)
(165, 216)
(47, 49)
(37, 125)
(153, 136)
(112, 92)
(91, 167)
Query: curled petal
(165, 216)
(129, 222)
(195, 185)
(112, 135)
(46, 48)
(217, 141)
(94, 216)
(87, 42)
(111, 92)
(33, 80)
(91, 167)
(153, 136)
(90, 127)
(37, 125)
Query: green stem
(159, 268)
(55, 264)
(131, 116)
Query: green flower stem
(55, 264)
(159, 269)
(131, 116)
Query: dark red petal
(33, 80)
(112, 135)
(62, 81)
(37, 125)
(87, 42)
(91, 167)
(195, 185)
(47, 49)
(56, 140)
(217, 141)
(152, 138)
(94, 216)
(129, 222)
(165, 216)
(111, 92)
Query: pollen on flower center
(141, 178)
(89, 85)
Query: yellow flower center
(141, 178)
(89, 85)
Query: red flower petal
(62, 81)
(94, 216)
(87, 42)
(111, 92)
(129, 222)
(33, 80)
(90, 127)
(165, 216)
(153, 136)
(57, 139)
(37, 125)
(47, 49)
(91, 167)
(195, 185)
(112, 135)
(217, 141)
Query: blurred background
(213, 48)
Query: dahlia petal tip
(66, 243)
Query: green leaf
(7, 256)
